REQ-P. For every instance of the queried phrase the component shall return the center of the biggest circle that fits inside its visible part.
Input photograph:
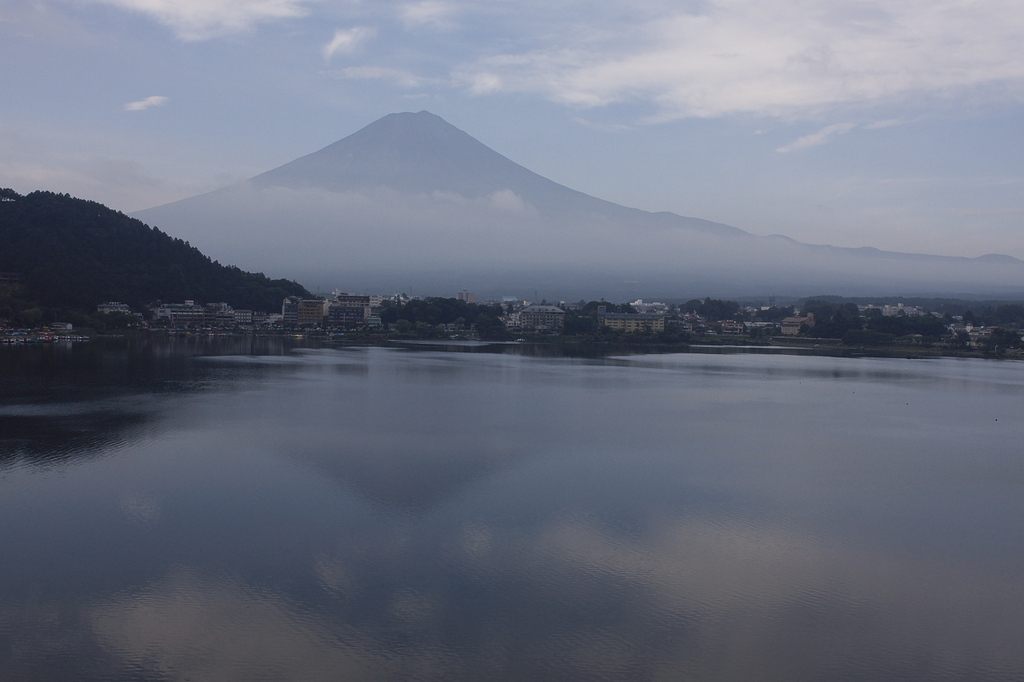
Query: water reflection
(51, 438)
(373, 514)
(702, 600)
(61, 402)
(256, 634)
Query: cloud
(819, 138)
(399, 77)
(507, 200)
(347, 40)
(67, 161)
(204, 19)
(147, 103)
(790, 58)
(888, 123)
(428, 13)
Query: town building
(653, 307)
(218, 315)
(311, 312)
(541, 318)
(631, 322)
(303, 312)
(732, 327)
(791, 325)
(348, 311)
(187, 313)
(290, 311)
(113, 307)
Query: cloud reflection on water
(377, 514)
(698, 598)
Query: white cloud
(204, 19)
(147, 103)
(484, 83)
(786, 58)
(346, 40)
(428, 13)
(887, 123)
(819, 138)
(507, 200)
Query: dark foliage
(579, 322)
(73, 254)
(424, 315)
(865, 337)
(712, 309)
(978, 312)
(925, 325)
(774, 314)
(1011, 313)
(990, 316)
(833, 321)
(1002, 339)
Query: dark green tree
(712, 309)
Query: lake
(262, 509)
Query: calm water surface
(249, 510)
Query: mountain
(71, 254)
(411, 200)
(424, 154)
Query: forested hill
(72, 254)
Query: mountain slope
(408, 152)
(412, 199)
(73, 254)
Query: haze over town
(894, 125)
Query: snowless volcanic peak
(422, 153)
(418, 152)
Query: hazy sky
(896, 124)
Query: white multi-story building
(113, 307)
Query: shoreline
(547, 345)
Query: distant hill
(72, 254)
(411, 200)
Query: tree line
(421, 317)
